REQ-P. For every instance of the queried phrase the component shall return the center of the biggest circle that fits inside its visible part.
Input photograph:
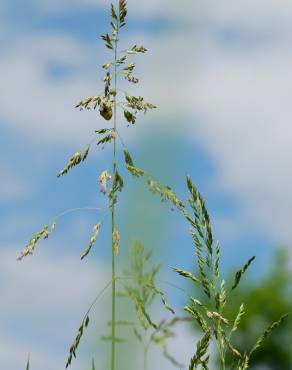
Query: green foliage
(139, 285)
(139, 282)
(211, 314)
(265, 301)
(202, 348)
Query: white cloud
(263, 13)
(13, 186)
(37, 105)
(233, 98)
(235, 101)
(43, 296)
(242, 103)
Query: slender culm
(113, 350)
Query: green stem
(145, 351)
(113, 350)
(221, 351)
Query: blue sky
(221, 77)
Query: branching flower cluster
(139, 281)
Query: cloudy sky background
(220, 73)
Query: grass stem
(113, 349)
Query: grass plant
(139, 283)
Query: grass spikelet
(76, 159)
(267, 332)
(245, 363)
(186, 274)
(103, 180)
(137, 103)
(74, 346)
(102, 131)
(162, 297)
(87, 103)
(137, 49)
(106, 139)
(113, 13)
(95, 232)
(217, 260)
(130, 165)
(240, 272)
(138, 335)
(197, 316)
(130, 117)
(231, 348)
(118, 184)
(165, 192)
(142, 313)
(92, 365)
(116, 241)
(29, 249)
(237, 320)
(122, 11)
(217, 317)
(202, 348)
(201, 262)
(222, 295)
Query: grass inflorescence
(139, 283)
